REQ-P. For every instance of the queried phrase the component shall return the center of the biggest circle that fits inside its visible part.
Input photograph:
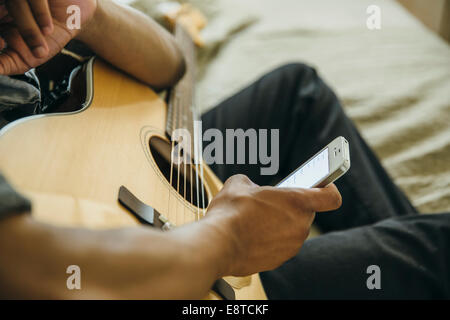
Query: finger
(314, 199)
(321, 199)
(20, 11)
(17, 58)
(239, 179)
(10, 63)
(42, 15)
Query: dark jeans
(376, 225)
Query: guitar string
(190, 160)
(180, 122)
(190, 157)
(189, 46)
(171, 177)
(184, 164)
(180, 157)
(200, 159)
(198, 140)
(182, 109)
(183, 158)
(196, 146)
(178, 160)
(191, 163)
(184, 106)
(178, 183)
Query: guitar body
(72, 165)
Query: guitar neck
(181, 111)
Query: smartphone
(323, 168)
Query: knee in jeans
(294, 75)
(296, 69)
(306, 84)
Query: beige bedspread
(394, 82)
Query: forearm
(130, 263)
(134, 43)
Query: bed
(393, 82)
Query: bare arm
(134, 43)
(131, 263)
(248, 229)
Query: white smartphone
(323, 168)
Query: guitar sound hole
(181, 176)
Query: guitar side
(72, 165)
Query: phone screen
(309, 174)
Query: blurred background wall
(435, 14)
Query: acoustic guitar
(110, 164)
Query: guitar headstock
(188, 16)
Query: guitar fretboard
(180, 113)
